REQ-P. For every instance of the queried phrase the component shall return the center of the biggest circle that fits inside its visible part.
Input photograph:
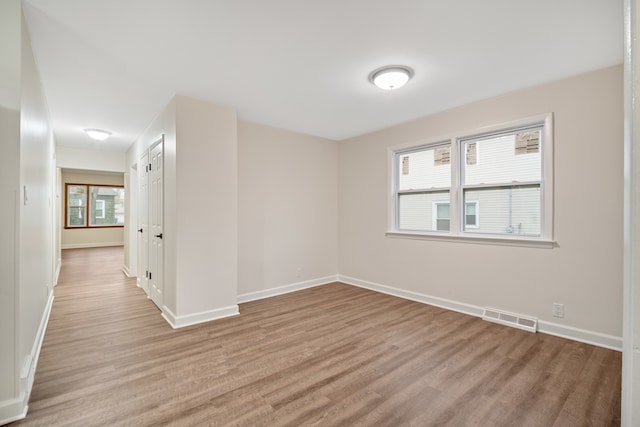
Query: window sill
(482, 240)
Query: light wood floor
(334, 355)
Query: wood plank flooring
(333, 355)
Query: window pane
(100, 203)
(504, 159)
(76, 202)
(107, 206)
(442, 224)
(471, 214)
(425, 169)
(508, 210)
(442, 219)
(420, 211)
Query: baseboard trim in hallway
(16, 409)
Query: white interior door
(156, 184)
(143, 222)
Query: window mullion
(455, 194)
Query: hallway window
(90, 205)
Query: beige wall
(94, 160)
(26, 226)
(89, 237)
(200, 208)
(206, 206)
(288, 188)
(9, 190)
(584, 272)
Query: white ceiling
(303, 65)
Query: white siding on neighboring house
(493, 169)
(418, 170)
(511, 210)
(417, 210)
(498, 163)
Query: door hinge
(146, 274)
(149, 167)
(149, 275)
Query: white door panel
(143, 222)
(156, 185)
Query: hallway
(96, 317)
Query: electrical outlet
(298, 270)
(558, 310)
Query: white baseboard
(272, 292)
(125, 270)
(13, 410)
(576, 334)
(28, 371)
(460, 307)
(568, 332)
(16, 409)
(195, 318)
(91, 245)
(58, 267)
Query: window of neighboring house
(441, 217)
(100, 209)
(471, 215)
(438, 188)
(94, 206)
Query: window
(424, 185)
(471, 215)
(94, 206)
(76, 205)
(438, 188)
(100, 209)
(441, 218)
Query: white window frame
(101, 209)
(477, 215)
(457, 231)
(435, 218)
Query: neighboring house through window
(100, 209)
(439, 187)
(90, 205)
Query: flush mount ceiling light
(391, 77)
(98, 134)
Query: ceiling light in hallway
(98, 134)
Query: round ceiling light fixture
(391, 77)
(98, 134)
